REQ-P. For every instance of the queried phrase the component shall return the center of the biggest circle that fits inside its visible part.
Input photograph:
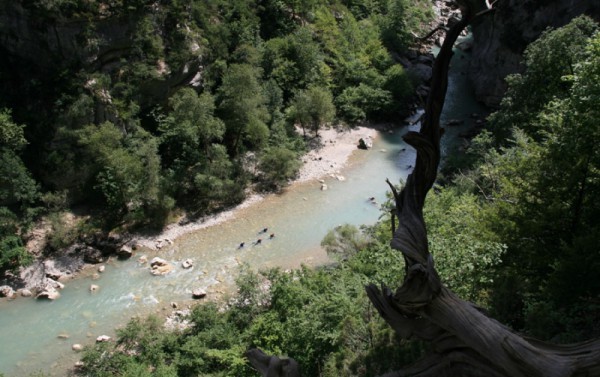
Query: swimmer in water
(258, 241)
(241, 245)
(272, 236)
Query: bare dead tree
(465, 341)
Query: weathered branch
(272, 366)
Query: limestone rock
(26, 293)
(49, 293)
(364, 144)
(94, 288)
(188, 263)
(323, 187)
(125, 252)
(51, 270)
(55, 284)
(143, 259)
(77, 347)
(159, 266)
(103, 338)
(101, 268)
(7, 291)
(198, 293)
(92, 255)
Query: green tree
(312, 108)
(18, 193)
(126, 168)
(242, 107)
(278, 165)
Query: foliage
(312, 108)
(242, 108)
(278, 166)
(537, 190)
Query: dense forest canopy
(135, 110)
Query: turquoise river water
(300, 217)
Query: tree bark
(465, 340)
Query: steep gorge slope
(501, 38)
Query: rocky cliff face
(501, 38)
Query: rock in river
(159, 266)
(102, 338)
(198, 293)
(7, 291)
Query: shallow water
(299, 218)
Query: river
(38, 335)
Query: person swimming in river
(241, 245)
(265, 230)
(258, 241)
(272, 236)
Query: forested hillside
(513, 228)
(133, 111)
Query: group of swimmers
(259, 240)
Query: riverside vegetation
(513, 226)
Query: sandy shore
(327, 159)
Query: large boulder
(159, 266)
(125, 252)
(103, 338)
(364, 144)
(7, 291)
(92, 255)
(51, 270)
(198, 293)
(48, 293)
